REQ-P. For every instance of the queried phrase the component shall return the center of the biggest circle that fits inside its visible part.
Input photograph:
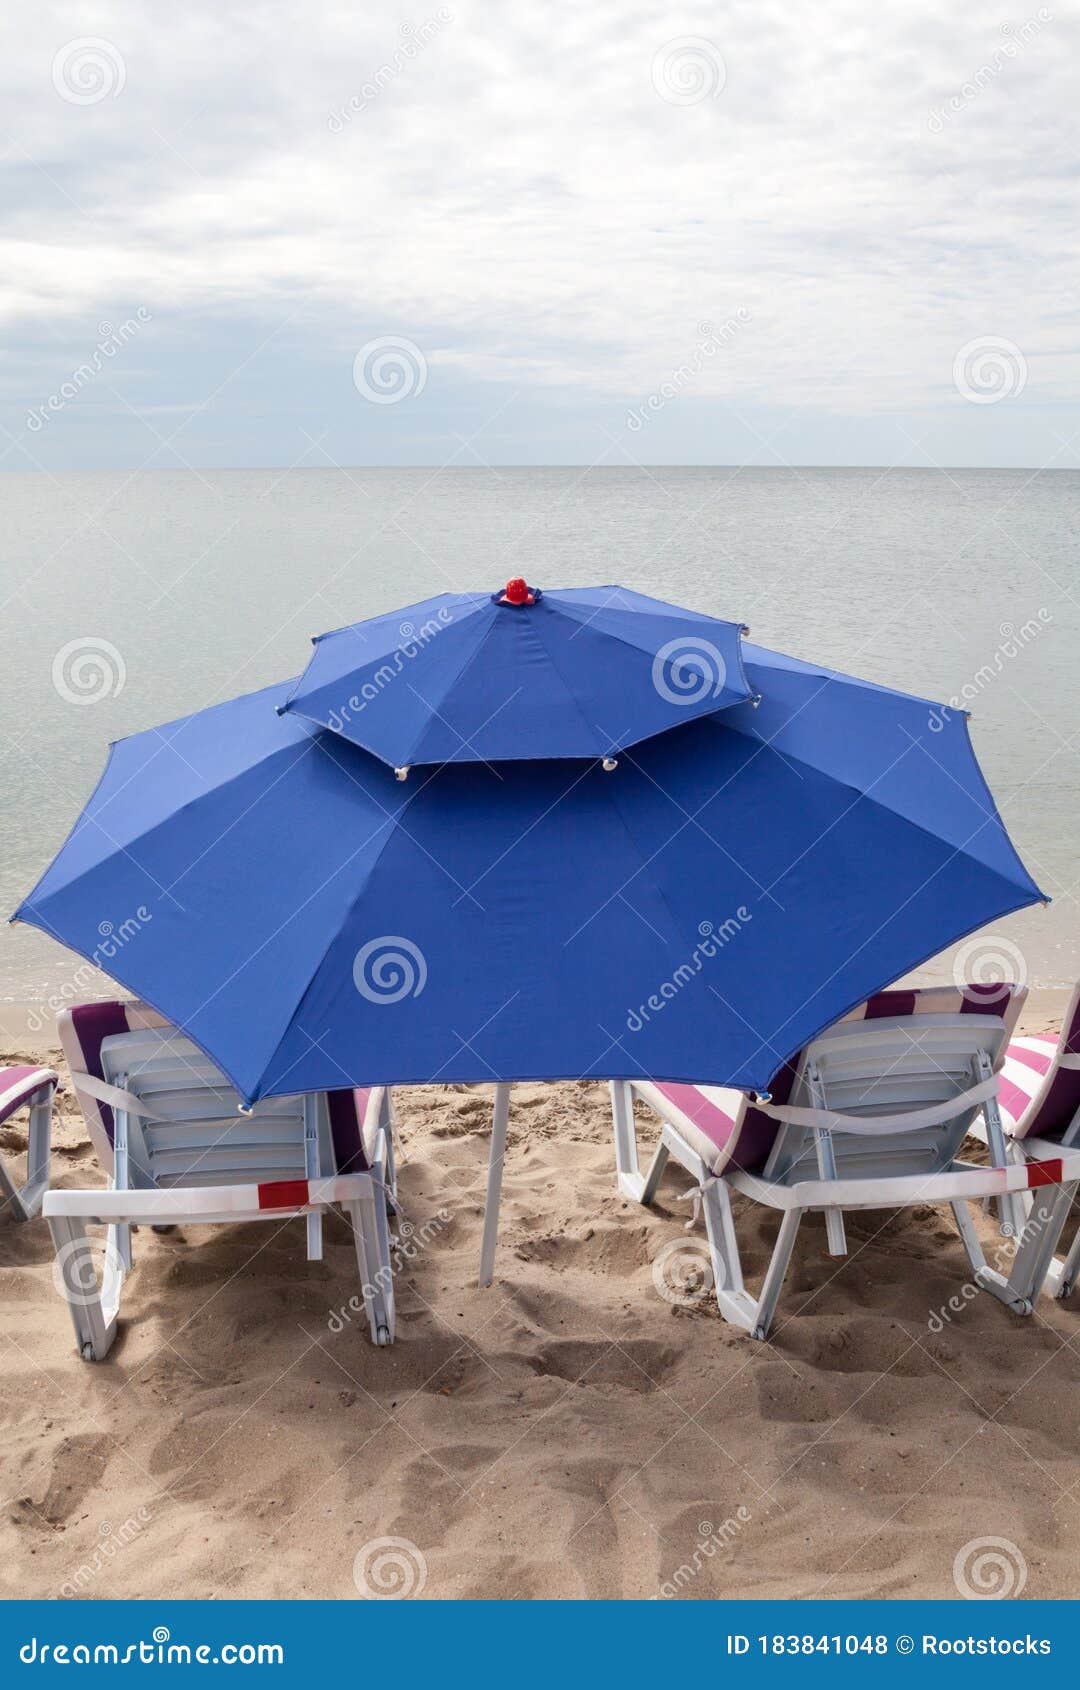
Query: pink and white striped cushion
(1004, 1000)
(1039, 1097)
(707, 1117)
(18, 1085)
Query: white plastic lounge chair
(1040, 1111)
(870, 1115)
(168, 1128)
(33, 1089)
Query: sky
(276, 234)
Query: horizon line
(482, 469)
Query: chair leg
(733, 1301)
(1007, 1291)
(654, 1174)
(386, 1122)
(376, 1270)
(1066, 1278)
(93, 1310)
(968, 1236)
(778, 1266)
(1038, 1241)
(25, 1202)
(723, 1244)
(627, 1171)
(825, 1153)
(386, 1266)
(1011, 1211)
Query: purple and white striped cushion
(723, 1126)
(1004, 1000)
(18, 1085)
(83, 1030)
(1038, 1097)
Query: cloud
(549, 204)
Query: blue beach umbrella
(699, 913)
(479, 677)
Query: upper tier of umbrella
(519, 674)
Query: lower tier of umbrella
(732, 887)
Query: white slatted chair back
(878, 1068)
(194, 1134)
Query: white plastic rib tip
(610, 763)
(756, 699)
(745, 629)
(244, 1108)
(761, 1096)
(402, 774)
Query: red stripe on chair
(1045, 1173)
(283, 1194)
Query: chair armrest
(18, 1085)
(33, 1088)
(210, 1202)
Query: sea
(130, 599)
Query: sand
(567, 1433)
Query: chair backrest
(741, 1134)
(1040, 1082)
(197, 1135)
(883, 1066)
(85, 1029)
(756, 1133)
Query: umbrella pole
(494, 1183)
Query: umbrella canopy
(481, 677)
(698, 914)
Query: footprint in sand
(77, 1466)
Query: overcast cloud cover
(737, 233)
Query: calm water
(211, 584)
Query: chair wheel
(382, 1335)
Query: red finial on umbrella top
(518, 591)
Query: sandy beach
(567, 1433)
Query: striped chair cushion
(1038, 1097)
(705, 1116)
(1004, 1000)
(18, 1085)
